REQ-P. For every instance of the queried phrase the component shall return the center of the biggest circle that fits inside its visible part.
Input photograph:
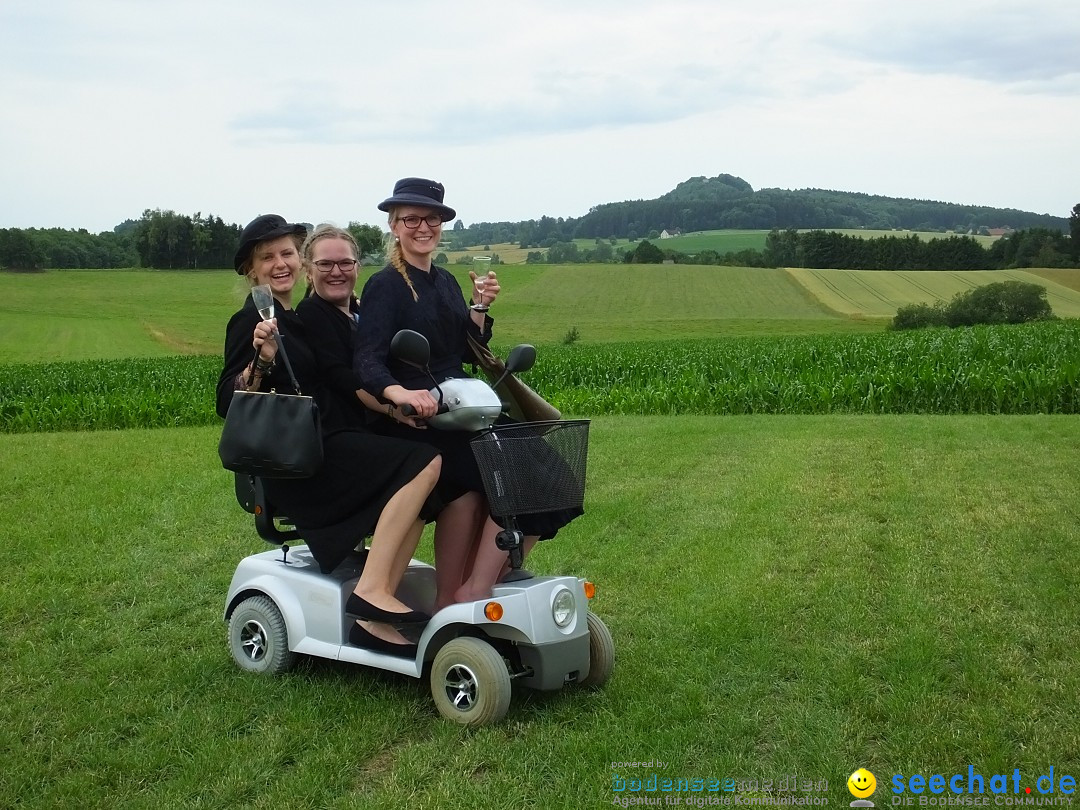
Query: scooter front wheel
(470, 682)
(601, 653)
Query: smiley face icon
(861, 783)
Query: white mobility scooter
(536, 631)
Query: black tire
(470, 682)
(601, 653)
(258, 639)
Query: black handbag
(272, 435)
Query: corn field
(1025, 369)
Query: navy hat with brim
(421, 192)
(263, 229)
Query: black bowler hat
(263, 229)
(418, 191)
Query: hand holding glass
(481, 283)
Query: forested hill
(725, 201)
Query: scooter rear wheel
(258, 638)
(470, 682)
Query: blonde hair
(324, 231)
(248, 267)
(395, 256)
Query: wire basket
(532, 467)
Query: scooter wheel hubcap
(460, 684)
(253, 640)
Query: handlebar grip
(409, 410)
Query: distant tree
(1003, 302)
(782, 248)
(459, 225)
(442, 260)
(534, 257)
(20, 251)
(369, 238)
(918, 316)
(1074, 231)
(647, 253)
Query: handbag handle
(285, 358)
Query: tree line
(728, 202)
(1032, 247)
(163, 240)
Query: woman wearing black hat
(413, 293)
(368, 484)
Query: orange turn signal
(590, 590)
(493, 611)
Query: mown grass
(787, 595)
(879, 293)
(107, 314)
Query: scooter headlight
(563, 607)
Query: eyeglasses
(327, 266)
(412, 221)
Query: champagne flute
(480, 282)
(263, 298)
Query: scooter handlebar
(409, 410)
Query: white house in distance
(670, 233)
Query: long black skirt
(338, 507)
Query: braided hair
(396, 258)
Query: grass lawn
(92, 314)
(788, 595)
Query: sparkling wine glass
(481, 284)
(263, 298)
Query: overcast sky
(526, 108)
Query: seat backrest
(251, 496)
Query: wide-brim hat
(263, 229)
(418, 191)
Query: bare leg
(486, 568)
(395, 535)
(527, 544)
(456, 529)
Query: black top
(332, 333)
(335, 411)
(239, 352)
(440, 314)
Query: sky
(525, 108)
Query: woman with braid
(413, 293)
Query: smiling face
(337, 285)
(419, 243)
(861, 783)
(276, 262)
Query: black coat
(338, 506)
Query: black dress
(442, 315)
(338, 506)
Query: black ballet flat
(362, 609)
(359, 637)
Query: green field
(787, 595)
(869, 293)
(87, 314)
